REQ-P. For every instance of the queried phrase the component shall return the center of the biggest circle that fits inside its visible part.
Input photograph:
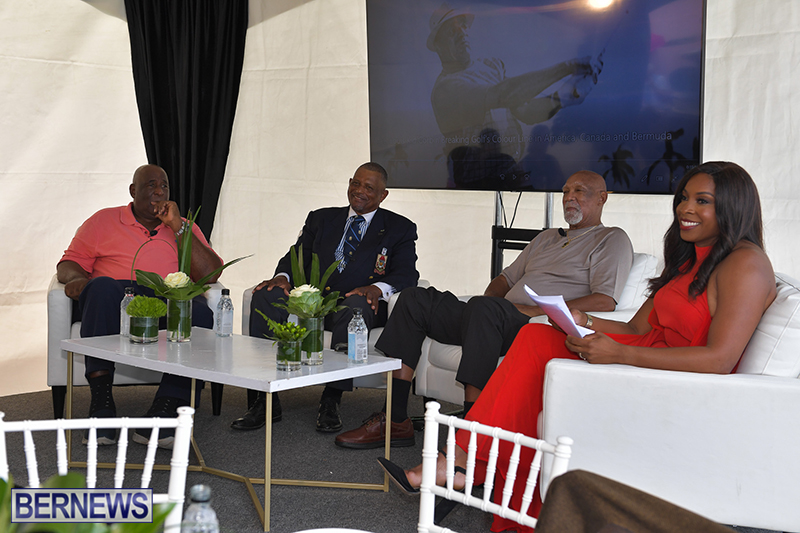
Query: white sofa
(723, 446)
(436, 371)
(60, 326)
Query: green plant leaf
(205, 279)
(286, 331)
(159, 286)
(160, 513)
(327, 274)
(185, 245)
(71, 480)
(5, 505)
(298, 270)
(152, 280)
(329, 304)
(133, 263)
(314, 279)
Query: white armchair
(723, 446)
(436, 371)
(60, 326)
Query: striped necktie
(352, 240)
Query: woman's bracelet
(589, 321)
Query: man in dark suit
(384, 262)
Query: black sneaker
(102, 406)
(163, 407)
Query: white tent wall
(70, 140)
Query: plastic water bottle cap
(200, 493)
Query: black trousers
(484, 327)
(336, 323)
(99, 306)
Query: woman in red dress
(716, 283)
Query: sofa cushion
(645, 267)
(773, 349)
(446, 356)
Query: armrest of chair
(723, 446)
(59, 323)
(212, 297)
(424, 283)
(247, 297)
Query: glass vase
(179, 320)
(287, 356)
(312, 344)
(144, 329)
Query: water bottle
(124, 317)
(200, 517)
(223, 326)
(357, 339)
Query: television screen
(519, 94)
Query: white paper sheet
(556, 308)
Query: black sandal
(398, 476)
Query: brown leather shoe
(372, 434)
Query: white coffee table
(240, 361)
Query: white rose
(302, 289)
(176, 280)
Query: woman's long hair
(738, 211)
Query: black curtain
(187, 63)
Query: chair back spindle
(429, 490)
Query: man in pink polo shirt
(96, 269)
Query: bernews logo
(81, 505)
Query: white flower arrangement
(302, 289)
(177, 280)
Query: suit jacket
(387, 252)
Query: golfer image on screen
(473, 100)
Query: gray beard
(575, 219)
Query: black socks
(467, 407)
(102, 399)
(400, 391)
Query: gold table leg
(388, 444)
(268, 462)
(68, 406)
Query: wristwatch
(589, 321)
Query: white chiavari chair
(430, 451)
(178, 463)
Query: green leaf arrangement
(184, 249)
(73, 481)
(146, 306)
(304, 301)
(287, 331)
